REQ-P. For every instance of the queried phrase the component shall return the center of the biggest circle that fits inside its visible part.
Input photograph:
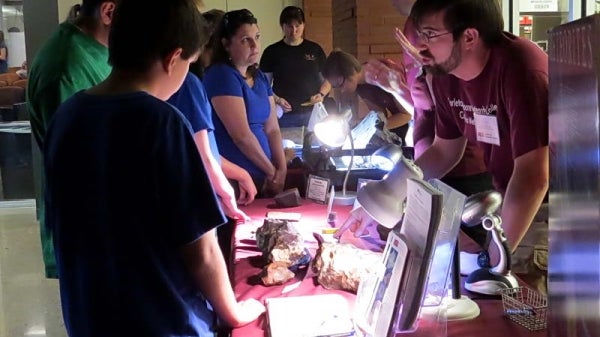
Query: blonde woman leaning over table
(346, 75)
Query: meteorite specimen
(276, 273)
(280, 242)
(341, 265)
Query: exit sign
(538, 6)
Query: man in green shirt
(74, 58)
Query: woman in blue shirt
(3, 54)
(246, 126)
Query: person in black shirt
(294, 66)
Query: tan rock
(341, 265)
(276, 273)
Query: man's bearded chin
(447, 66)
(435, 69)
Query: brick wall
(362, 28)
(318, 26)
(376, 20)
(344, 25)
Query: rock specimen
(276, 273)
(280, 243)
(341, 265)
(288, 198)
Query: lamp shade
(332, 130)
(383, 200)
(479, 205)
(387, 156)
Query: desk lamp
(384, 200)
(387, 156)
(333, 131)
(481, 209)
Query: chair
(9, 78)
(20, 83)
(10, 97)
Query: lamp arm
(493, 223)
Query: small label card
(317, 188)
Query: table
(247, 284)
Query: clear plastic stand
(436, 303)
(462, 307)
(432, 313)
(363, 321)
(432, 321)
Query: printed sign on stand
(538, 5)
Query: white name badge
(486, 128)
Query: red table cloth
(247, 266)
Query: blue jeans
(294, 119)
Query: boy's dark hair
(291, 13)
(137, 41)
(230, 23)
(483, 15)
(341, 63)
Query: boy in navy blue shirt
(129, 203)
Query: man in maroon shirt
(470, 174)
(490, 87)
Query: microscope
(480, 210)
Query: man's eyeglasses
(427, 36)
(338, 85)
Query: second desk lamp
(481, 209)
(333, 131)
